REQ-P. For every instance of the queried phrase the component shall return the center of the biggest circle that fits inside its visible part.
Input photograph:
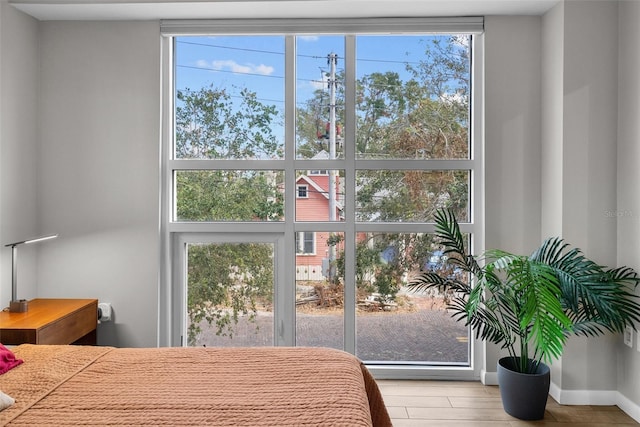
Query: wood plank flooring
(471, 404)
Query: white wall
(552, 114)
(551, 143)
(512, 138)
(99, 170)
(580, 159)
(552, 130)
(19, 66)
(628, 207)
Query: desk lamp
(16, 305)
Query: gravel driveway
(419, 336)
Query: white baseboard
(583, 397)
(595, 397)
(580, 397)
(630, 408)
(488, 378)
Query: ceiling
(228, 9)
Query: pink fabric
(7, 360)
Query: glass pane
(413, 96)
(320, 195)
(319, 97)
(320, 290)
(394, 324)
(230, 294)
(229, 195)
(410, 195)
(229, 97)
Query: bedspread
(267, 386)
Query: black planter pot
(524, 396)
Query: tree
(312, 119)
(423, 117)
(210, 125)
(226, 280)
(229, 195)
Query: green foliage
(531, 304)
(312, 118)
(227, 195)
(382, 260)
(210, 125)
(425, 117)
(227, 280)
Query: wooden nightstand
(51, 321)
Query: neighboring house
(312, 204)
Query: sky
(258, 61)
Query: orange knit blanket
(271, 386)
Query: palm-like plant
(532, 302)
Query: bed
(274, 386)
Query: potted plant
(529, 305)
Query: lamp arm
(14, 272)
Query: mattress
(267, 386)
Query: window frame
(301, 187)
(305, 240)
(172, 231)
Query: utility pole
(333, 60)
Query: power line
(389, 61)
(244, 73)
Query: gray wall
(512, 139)
(579, 160)
(628, 204)
(99, 170)
(19, 65)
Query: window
(302, 192)
(305, 243)
(373, 130)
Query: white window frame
(306, 191)
(172, 232)
(304, 241)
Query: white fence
(309, 272)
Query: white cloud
(320, 84)
(233, 66)
(202, 63)
(308, 38)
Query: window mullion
(286, 289)
(350, 201)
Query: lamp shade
(34, 240)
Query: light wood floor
(470, 404)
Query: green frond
(428, 280)
(535, 302)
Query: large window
(302, 174)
